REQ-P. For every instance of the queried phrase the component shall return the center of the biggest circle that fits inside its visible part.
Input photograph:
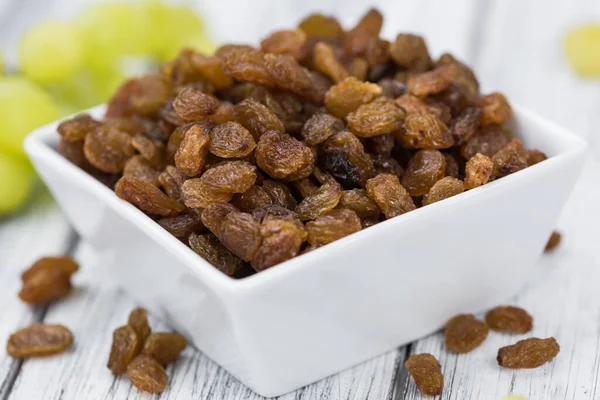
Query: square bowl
(329, 309)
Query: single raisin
(152, 150)
(344, 157)
(378, 117)
(290, 42)
(143, 96)
(528, 353)
(412, 104)
(251, 199)
(495, 109)
(126, 344)
(390, 196)
(240, 233)
(274, 211)
(147, 197)
(281, 155)
(231, 140)
(108, 149)
(138, 167)
(281, 241)
(164, 347)
(553, 241)
(410, 51)
(348, 95)
(257, 118)
(208, 247)
(509, 319)
(426, 370)
(245, 64)
(39, 340)
(425, 131)
(431, 82)
(464, 78)
(369, 26)
(288, 75)
(382, 144)
(171, 180)
(322, 200)
(77, 128)
(443, 189)
(192, 104)
(213, 215)
(48, 279)
(377, 52)
(423, 171)
(478, 171)
(358, 67)
(487, 141)
(452, 167)
(392, 88)
(333, 225)
(464, 333)
(181, 226)
(279, 193)
(210, 68)
(326, 63)
(64, 264)
(147, 374)
(322, 26)
(358, 201)
(465, 125)
(387, 165)
(138, 320)
(509, 159)
(535, 156)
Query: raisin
(77, 128)
(495, 109)
(147, 197)
(181, 226)
(280, 155)
(257, 118)
(390, 196)
(478, 171)
(320, 127)
(464, 333)
(126, 344)
(387, 165)
(455, 98)
(509, 159)
(528, 353)
(392, 88)
(326, 63)
(132, 125)
(358, 67)
(138, 167)
(213, 215)
(410, 51)
(240, 233)
(225, 113)
(279, 193)
(281, 241)
(211, 69)
(151, 149)
(509, 319)
(208, 247)
(377, 52)
(164, 347)
(412, 104)
(39, 340)
(143, 96)
(443, 189)
(378, 117)
(231, 140)
(553, 242)
(251, 199)
(535, 156)
(452, 167)
(147, 374)
(290, 42)
(382, 144)
(322, 200)
(191, 104)
(344, 157)
(305, 187)
(171, 180)
(108, 149)
(348, 95)
(47, 280)
(322, 26)
(73, 151)
(174, 142)
(66, 265)
(333, 225)
(431, 82)
(138, 320)
(358, 201)
(274, 211)
(369, 26)
(423, 171)
(426, 370)
(487, 141)
(245, 64)
(465, 125)
(464, 78)
(424, 131)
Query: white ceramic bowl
(334, 307)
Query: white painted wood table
(514, 46)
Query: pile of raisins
(254, 155)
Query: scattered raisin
(528, 353)
(509, 319)
(164, 347)
(553, 242)
(426, 370)
(138, 320)
(48, 279)
(147, 374)
(126, 345)
(464, 333)
(39, 340)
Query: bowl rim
(38, 144)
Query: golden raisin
(535, 156)
(509, 319)
(426, 370)
(280, 155)
(39, 340)
(208, 247)
(431, 82)
(348, 95)
(231, 140)
(410, 51)
(390, 196)
(138, 320)
(147, 197)
(358, 201)
(138, 167)
(487, 141)
(332, 225)
(147, 374)
(164, 347)
(553, 242)
(126, 344)
(191, 104)
(344, 157)
(423, 171)
(47, 280)
(251, 199)
(369, 26)
(509, 159)
(424, 131)
(378, 117)
(77, 128)
(108, 149)
(528, 353)
(181, 226)
(466, 124)
(290, 42)
(281, 241)
(326, 63)
(443, 189)
(257, 118)
(478, 171)
(240, 233)
(279, 193)
(495, 109)
(322, 26)
(325, 198)
(464, 333)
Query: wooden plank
(97, 308)
(39, 230)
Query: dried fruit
(65, 265)
(553, 242)
(279, 193)
(423, 171)
(142, 96)
(319, 128)
(39, 340)
(164, 347)
(424, 131)
(213, 215)
(171, 180)
(281, 240)
(378, 117)
(390, 196)
(321, 26)
(431, 82)
(487, 141)
(478, 171)
(332, 225)
(358, 201)
(147, 374)
(368, 27)
(251, 199)
(280, 155)
(208, 247)
(151, 150)
(290, 42)
(348, 95)
(138, 167)
(426, 370)
(288, 75)
(108, 149)
(257, 118)
(410, 51)
(274, 211)
(48, 279)
(380, 145)
(466, 124)
(231, 140)
(452, 167)
(181, 226)
(138, 320)
(443, 189)
(322, 200)
(126, 345)
(495, 109)
(240, 233)
(326, 63)
(77, 128)
(528, 353)
(191, 155)
(509, 319)
(464, 333)
(386, 165)
(535, 156)
(147, 197)
(245, 64)
(509, 159)
(344, 157)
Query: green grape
(1, 64)
(23, 108)
(582, 46)
(182, 26)
(51, 52)
(17, 181)
(78, 93)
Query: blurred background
(62, 56)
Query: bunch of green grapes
(582, 46)
(67, 66)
